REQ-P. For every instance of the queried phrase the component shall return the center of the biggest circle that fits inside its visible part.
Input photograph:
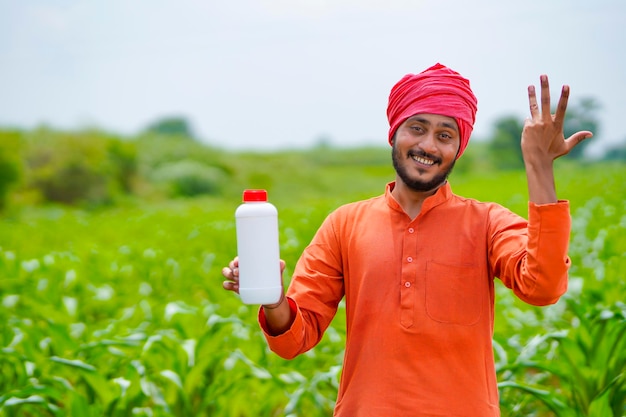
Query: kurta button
(411, 230)
(407, 284)
(409, 259)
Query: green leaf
(548, 398)
(75, 363)
(172, 376)
(601, 406)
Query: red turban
(437, 90)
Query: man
(417, 264)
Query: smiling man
(417, 264)
(426, 167)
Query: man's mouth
(423, 158)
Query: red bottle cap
(254, 195)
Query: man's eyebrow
(449, 125)
(427, 122)
(419, 119)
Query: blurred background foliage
(95, 168)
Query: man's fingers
(532, 101)
(232, 270)
(559, 116)
(232, 276)
(231, 286)
(545, 97)
(576, 138)
(579, 136)
(231, 273)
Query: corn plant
(577, 372)
(577, 365)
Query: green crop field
(119, 311)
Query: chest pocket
(455, 293)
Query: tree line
(93, 168)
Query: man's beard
(414, 183)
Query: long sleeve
(532, 259)
(314, 293)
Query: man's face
(424, 150)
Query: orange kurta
(420, 298)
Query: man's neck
(411, 200)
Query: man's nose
(429, 143)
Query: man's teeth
(423, 160)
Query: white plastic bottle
(256, 222)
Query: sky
(271, 74)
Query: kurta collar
(443, 194)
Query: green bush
(10, 168)
(79, 168)
(123, 157)
(189, 178)
(180, 167)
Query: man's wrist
(276, 305)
